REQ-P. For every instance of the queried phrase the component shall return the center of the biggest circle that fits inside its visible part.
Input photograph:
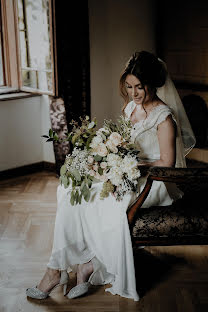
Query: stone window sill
(13, 94)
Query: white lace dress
(100, 227)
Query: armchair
(182, 223)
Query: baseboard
(28, 169)
(48, 166)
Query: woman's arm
(167, 142)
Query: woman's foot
(49, 280)
(83, 272)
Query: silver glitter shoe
(83, 288)
(36, 293)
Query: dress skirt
(99, 228)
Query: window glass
(35, 44)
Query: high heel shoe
(36, 293)
(83, 288)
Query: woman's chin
(138, 102)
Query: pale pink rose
(95, 167)
(101, 150)
(92, 173)
(103, 164)
(112, 147)
(90, 159)
(115, 138)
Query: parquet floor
(169, 279)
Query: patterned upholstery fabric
(184, 221)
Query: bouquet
(107, 155)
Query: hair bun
(148, 68)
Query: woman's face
(135, 90)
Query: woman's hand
(144, 164)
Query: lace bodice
(144, 133)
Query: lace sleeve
(163, 116)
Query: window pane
(35, 44)
(39, 80)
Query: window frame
(2, 47)
(11, 50)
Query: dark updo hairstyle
(147, 68)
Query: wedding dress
(99, 228)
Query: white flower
(95, 141)
(129, 163)
(103, 164)
(115, 138)
(112, 147)
(101, 150)
(90, 159)
(133, 174)
(91, 125)
(113, 160)
(102, 130)
(78, 160)
(115, 176)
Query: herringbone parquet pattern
(168, 278)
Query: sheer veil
(185, 139)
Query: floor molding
(28, 169)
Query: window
(29, 65)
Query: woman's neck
(154, 101)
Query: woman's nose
(134, 92)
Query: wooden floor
(169, 279)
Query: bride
(93, 238)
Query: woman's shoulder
(161, 112)
(161, 107)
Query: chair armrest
(177, 175)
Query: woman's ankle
(84, 271)
(53, 272)
(50, 278)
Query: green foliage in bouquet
(80, 136)
(80, 184)
(105, 155)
